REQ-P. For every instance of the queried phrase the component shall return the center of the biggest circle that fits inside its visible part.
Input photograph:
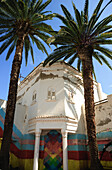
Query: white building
(50, 108)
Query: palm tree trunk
(90, 109)
(10, 110)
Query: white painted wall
(60, 77)
(104, 115)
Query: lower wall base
(107, 164)
(23, 164)
(77, 165)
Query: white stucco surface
(67, 85)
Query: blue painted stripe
(41, 148)
(29, 137)
(103, 135)
(77, 148)
(77, 136)
(2, 113)
(100, 147)
(1, 125)
(24, 147)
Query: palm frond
(43, 6)
(105, 28)
(79, 64)
(72, 59)
(103, 9)
(11, 49)
(96, 56)
(63, 19)
(103, 41)
(75, 28)
(105, 61)
(95, 13)
(6, 36)
(77, 15)
(105, 51)
(66, 12)
(86, 11)
(6, 44)
(101, 24)
(27, 48)
(104, 36)
(31, 50)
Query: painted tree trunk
(90, 109)
(10, 109)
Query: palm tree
(82, 38)
(22, 24)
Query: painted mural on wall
(22, 149)
(53, 151)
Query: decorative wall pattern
(50, 155)
(53, 151)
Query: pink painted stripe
(27, 141)
(76, 142)
(1, 119)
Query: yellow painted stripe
(107, 164)
(77, 165)
(26, 164)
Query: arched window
(34, 96)
(51, 94)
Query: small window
(51, 94)
(71, 95)
(34, 96)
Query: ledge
(52, 122)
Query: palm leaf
(104, 36)
(69, 55)
(77, 15)
(95, 13)
(6, 44)
(105, 51)
(66, 12)
(63, 19)
(72, 59)
(11, 49)
(86, 11)
(27, 48)
(75, 29)
(43, 6)
(103, 9)
(105, 61)
(96, 56)
(105, 28)
(8, 9)
(101, 24)
(6, 36)
(31, 50)
(103, 41)
(79, 64)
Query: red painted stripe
(84, 155)
(99, 142)
(78, 155)
(41, 154)
(23, 154)
(1, 132)
(107, 156)
(42, 142)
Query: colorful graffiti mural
(50, 155)
(53, 151)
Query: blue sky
(104, 74)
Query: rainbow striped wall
(22, 149)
